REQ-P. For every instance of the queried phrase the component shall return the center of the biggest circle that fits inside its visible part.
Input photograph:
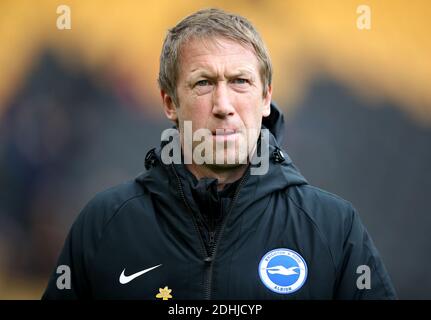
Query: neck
(224, 175)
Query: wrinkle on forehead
(199, 56)
(213, 42)
(221, 43)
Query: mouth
(223, 132)
(225, 135)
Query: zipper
(215, 236)
(219, 232)
(180, 190)
(212, 238)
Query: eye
(202, 83)
(240, 81)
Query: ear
(169, 107)
(267, 102)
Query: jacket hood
(275, 123)
(281, 173)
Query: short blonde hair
(204, 24)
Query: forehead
(213, 52)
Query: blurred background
(80, 108)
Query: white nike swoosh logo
(126, 279)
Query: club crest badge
(283, 271)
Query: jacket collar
(280, 175)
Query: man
(204, 222)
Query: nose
(222, 105)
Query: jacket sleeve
(361, 272)
(71, 276)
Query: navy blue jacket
(276, 237)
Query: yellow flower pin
(164, 293)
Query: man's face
(219, 88)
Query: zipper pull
(212, 238)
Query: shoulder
(331, 215)
(98, 212)
(112, 199)
(321, 206)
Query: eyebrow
(195, 73)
